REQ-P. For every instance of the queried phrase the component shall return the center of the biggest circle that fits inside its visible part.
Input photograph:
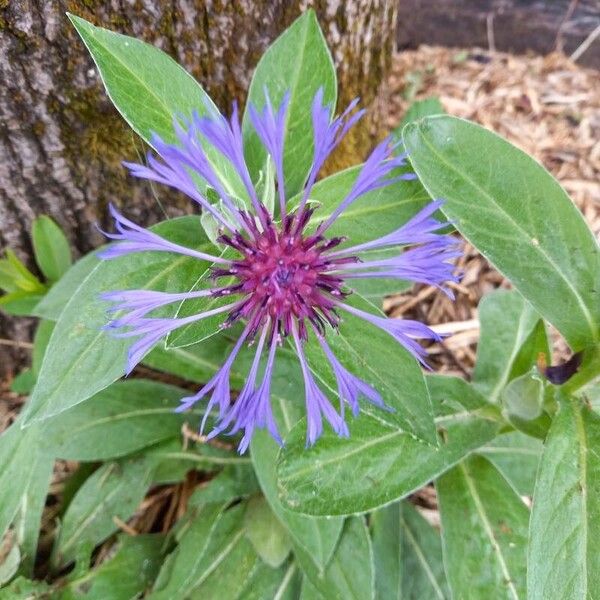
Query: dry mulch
(548, 106)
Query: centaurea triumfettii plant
(286, 280)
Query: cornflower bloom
(285, 279)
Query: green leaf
(309, 591)
(564, 547)
(350, 574)
(51, 248)
(194, 363)
(27, 523)
(516, 456)
(422, 557)
(124, 576)
(588, 373)
(523, 402)
(265, 532)
(234, 481)
(24, 589)
(20, 304)
(40, 343)
(172, 461)
(114, 490)
(23, 466)
(486, 560)
(408, 555)
(266, 583)
(506, 322)
(150, 89)
(387, 538)
(517, 215)
(380, 463)
(82, 358)
(535, 346)
(53, 303)
(23, 383)
(316, 537)
(299, 62)
(213, 558)
(418, 110)
(383, 363)
(15, 276)
(123, 418)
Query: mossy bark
(62, 143)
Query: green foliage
(408, 555)
(113, 491)
(564, 546)
(150, 89)
(51, 248)
(298, 62)
(489, 561)
(517, 215)
(379, 463)
(337, 520)
(23, 290)
(92, 359)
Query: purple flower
(284, 282)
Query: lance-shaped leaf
(213, 559)
(564, 548)
(517, 215)
(380, 463)
(489, 560)
(123, 576)
(82, 358)
(113, 491)
(516, 456)
(149, 89)
(506, 322)
(350, 574)
(408, 555)
(24, 467)
(297, 62)
(51, 248)
(315, 536)
(125, 417)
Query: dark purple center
(285, 275)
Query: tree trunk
(61, 141)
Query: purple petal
(350, 387)
(151, 330)
(326, 136)
(132, 238)
(218, 384)
(317, 404)
(270, 128)
(402, 330)
(372, 176)
(418, 230)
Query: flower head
(285, 279)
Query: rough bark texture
(61, 141)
